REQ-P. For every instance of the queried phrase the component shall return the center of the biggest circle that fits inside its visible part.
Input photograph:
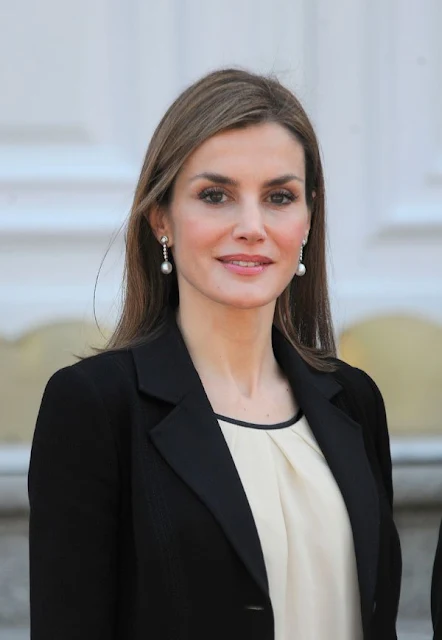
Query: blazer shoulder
(107, 374)
(359, 384)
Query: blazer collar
(190, 439)
(165, 369)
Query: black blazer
(139, 526)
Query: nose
(250, 224)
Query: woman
(217, 473)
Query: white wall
(85, 83)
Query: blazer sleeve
(73, 486)
(382, 439)
(368, 408)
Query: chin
(245, 302)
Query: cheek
(193, 232)
(290, 237)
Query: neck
(229, 344)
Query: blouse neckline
(253, 425)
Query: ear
(160, 223)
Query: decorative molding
(276, 41)
(404, 146)
(89, 136)
(71, 176)
(416, 221)
(72, 225)
(61, 167)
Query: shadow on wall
(27, 364)
(404, 356)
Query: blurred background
(84, 84)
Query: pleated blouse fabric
(303, 528)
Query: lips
(244, 260)
(246, 265)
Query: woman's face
(238, 216)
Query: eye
(282, 197)
(212, 195)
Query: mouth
(244, 264)
(245, 260)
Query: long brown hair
(223, 100)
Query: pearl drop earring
(166, 266)
(300, 271)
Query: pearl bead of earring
(166, 267)
(300, 271)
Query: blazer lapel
(191, 441)
(341, 441)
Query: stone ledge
(416, 450)
(13, 495)
(417, 486)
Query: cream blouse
(303, 527)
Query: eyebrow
(220, 179)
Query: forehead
(266, 149)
